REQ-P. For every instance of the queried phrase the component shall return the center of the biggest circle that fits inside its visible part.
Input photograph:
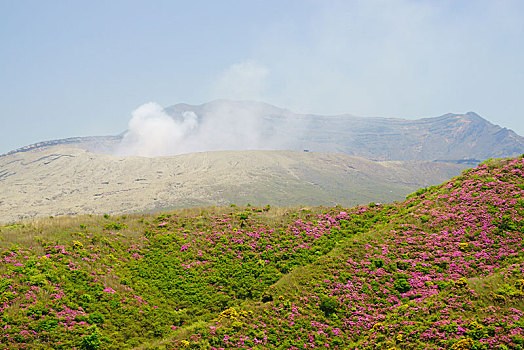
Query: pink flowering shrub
(442, 270)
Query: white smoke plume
(224, 125)
(153, 133)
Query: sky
(80, 68)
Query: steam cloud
(221, 125)
(224, 125)
(153, 133)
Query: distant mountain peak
(474, 116)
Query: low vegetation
(442, 270)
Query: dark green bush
(91, 342)
(402, 285)
(96, 318)
(115, 226)
(328, 304)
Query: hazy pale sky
(79, 68)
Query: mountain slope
(442, 270)
(58, 180)
(449, 137)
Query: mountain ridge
(451, 137)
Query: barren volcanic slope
(59, 180)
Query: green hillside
(442, 270)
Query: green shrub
(266, 297)
(378, 263)
(115, 226)
(47, 324)
(402, 285)
(328, 304)
(402, 265)
(96, 318)
(91, 341)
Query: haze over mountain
(245, 125)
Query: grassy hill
(442, 270)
